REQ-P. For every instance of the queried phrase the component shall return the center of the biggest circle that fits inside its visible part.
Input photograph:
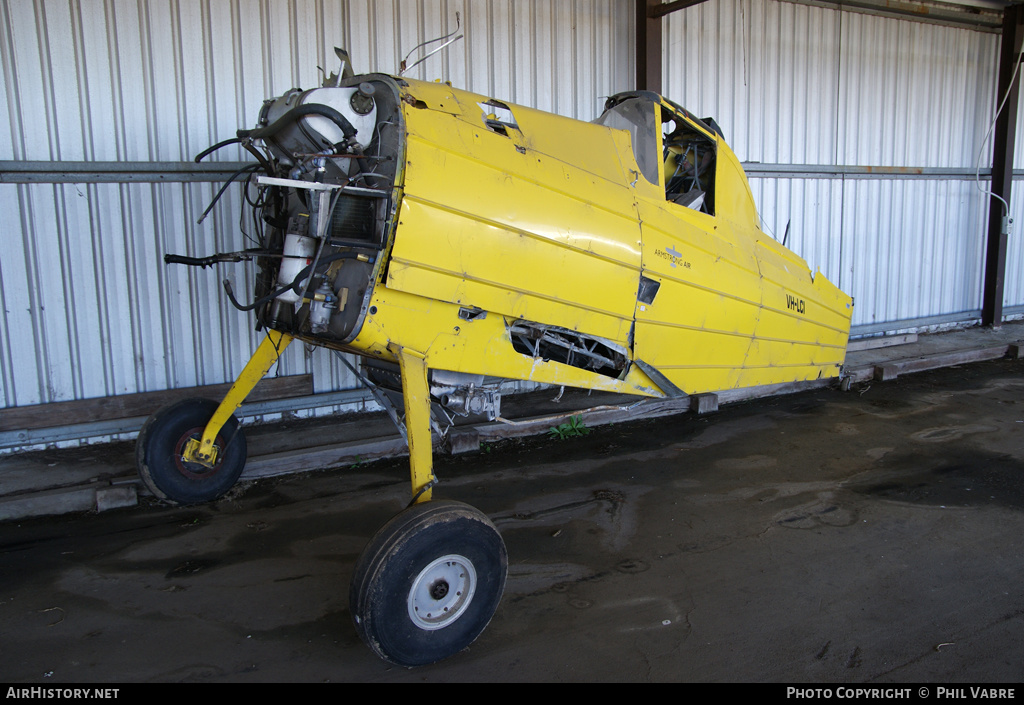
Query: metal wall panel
(912, 248)
(812, 208)
(913, 94)
(89, 309)
(1013, 293)
(766, 71)
(804, 85)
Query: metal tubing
(65, 172)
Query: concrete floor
(868, 536)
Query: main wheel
(428, 583)
(161, 445)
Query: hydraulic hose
(243, 256)
(210, 150)
(294, 114)
(248, 167)
(296, 283)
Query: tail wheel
(428, 583)
(160, 453)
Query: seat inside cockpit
(688, 161)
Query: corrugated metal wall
(794, 84)
(1014, 281)
(89, 309)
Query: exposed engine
(323, 201)
(326, 204)
(322, 196)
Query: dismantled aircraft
(450, 238)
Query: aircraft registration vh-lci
(451, 239)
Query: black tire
(428, 582)
(161, 442)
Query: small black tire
(158, 452)
(428, 583)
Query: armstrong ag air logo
(795, 304)
(674, 258)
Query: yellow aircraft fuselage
(464, 238)
(549, 221)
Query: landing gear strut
(428, 582)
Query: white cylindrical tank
(298, 254)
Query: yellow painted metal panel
(546, 220)
(700, 360)
(521, 275)
(481, 346)
(573, 142)
(735, 201)
(489, 221)
(436, 96)
(697, 330)
(734, 307)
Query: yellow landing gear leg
(205, 451)
(193, 451)
(429, 580)
(416, 395)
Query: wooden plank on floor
(64, 413)
(324, 457)
(881, 342)
(891, 370)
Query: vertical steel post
(648, 46)
(1002, 167)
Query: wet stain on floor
(958, 478)
(790, 539)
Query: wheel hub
(184, 455)
(441, 592)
